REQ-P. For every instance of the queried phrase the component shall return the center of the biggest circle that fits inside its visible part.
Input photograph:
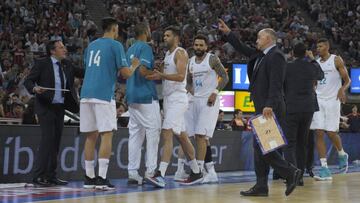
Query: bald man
(266, 70)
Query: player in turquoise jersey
(144, 110)
(103, 59)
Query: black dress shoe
(301, 182)
(41, 182)
(292, 182)
(256, 192)
(276, 176)
(57, 181)
(310, 172)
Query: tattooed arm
(218, 67)
(189, 81)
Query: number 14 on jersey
(94, 59)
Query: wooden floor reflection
(344, 188)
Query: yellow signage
(242, 101)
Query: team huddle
(190, 105)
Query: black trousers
(310, 150)
(297, 131)
(51, 125)
(274, 159)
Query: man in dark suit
(266, 70)
(301, 103)
(55, 72)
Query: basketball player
(175, 105)
(330, 95)
(144, 108)
(103, 59)
(200, 119)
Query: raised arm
(234, 41)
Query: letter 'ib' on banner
(242, 101)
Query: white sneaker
(210, 177)
(149, 174)
(181, 176)
(135, 179)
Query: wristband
(216, 91)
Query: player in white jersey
(175, 105)
(206, 77)
(330, 94)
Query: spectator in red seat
(17, 110)
(238, 123)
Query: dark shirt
(300, 95)
(236, 127)
(354, 122)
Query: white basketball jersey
(170, 68)
(328, 87)
(204, 77)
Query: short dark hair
(118, 104)
(140, 29)
(107, 23)
(237, 111)
(299, 50)
(323, 40)
(201, 37)
(51, 46)
(174, 29)
(220, 111)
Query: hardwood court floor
(343, 188)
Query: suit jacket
(266, 82)
(300, 95)
(42, 74)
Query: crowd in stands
(27, 25)
(340, 19)
(25, 28)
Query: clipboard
(268, 133)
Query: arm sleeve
(120, 56)
(240, 46)
(276, 80)
(147, 57)
(32, 78)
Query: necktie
(61, 74)
(258, 61)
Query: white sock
(341, 152)
(201, 164)
(103, 167)
(181, 163)
(323, 162)
(90, 168)
(163, 167)
(194, 166)
(133, 172)
(210, 166)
